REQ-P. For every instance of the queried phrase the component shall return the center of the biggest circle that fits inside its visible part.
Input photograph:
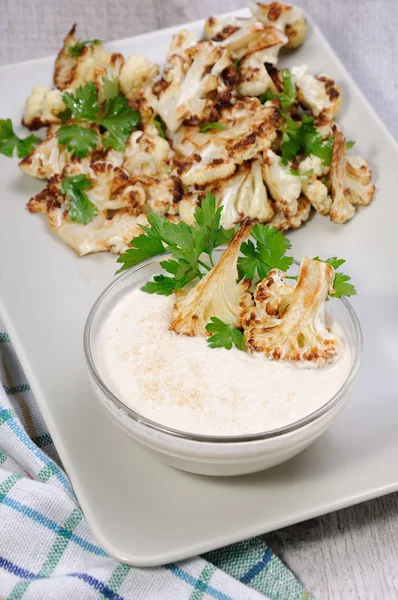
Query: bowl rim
(217, 439)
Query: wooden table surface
(353, 553)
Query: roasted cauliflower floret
(283, 223)
(211, 163)
(219, 28)
(296, 329)
(112, 188)
(350, 182)
(108, 231)
(272, 296)
(48, 158)
(253, 44)
(42, 107)
(251, 38)
(289, 19)
(144, 154)
(252, 200)
(242, 195)
(102, 234)
(249, 128)
(217, 294)
(254, 76)
(317, 93)
(180, 42)
(188, 81)
(225, 191)
(136, 74)
(92, 64)
(315, 164)
(284, 187)
(317, 193)
(161, 195)
(186, 208)
(313, 188)
(359, 177)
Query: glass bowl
(211, 454)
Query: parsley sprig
(9, 142)
(78, 47)
(302, 137)
(116, 119)
(341, 284)
(287, 97)
(185, 243)
(81, 209)
(224, 335)
(268, 252)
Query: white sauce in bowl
(180, 382)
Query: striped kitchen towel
(48, 552)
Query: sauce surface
(180, 382)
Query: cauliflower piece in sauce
(271, 298)
(217, 294)
(290, 325)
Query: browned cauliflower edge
(289, 323)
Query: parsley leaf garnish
(84, 103)
(80, 209)
(10, 142)
(268, 253)
(65, 115)
(303, 137)
(208, 216)
(349, 145)
(160, 126)
(78, 47)
(287, 97)
(114, 115)
(119, 120)
(341, 284)
(79, 140)
(342, 287)
(185, 243)
(207, 126)
(161, 285)
(224, 335)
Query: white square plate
(141, 511)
